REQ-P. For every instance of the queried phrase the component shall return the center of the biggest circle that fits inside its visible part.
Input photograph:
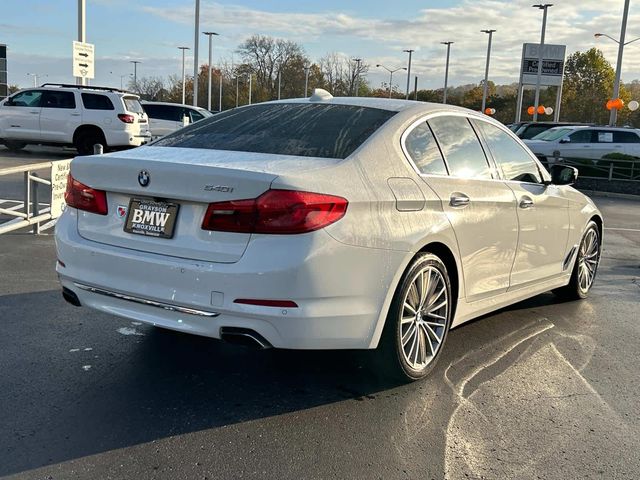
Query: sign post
(83, 60)
(552, 71)
(4, 86)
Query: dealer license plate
(154, 219)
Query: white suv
(72, 115)
(584, 142)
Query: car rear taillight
(276, 211)
(82, 197)
(126, 118)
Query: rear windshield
(132, 104)
(307, 130)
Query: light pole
(82, 31)
(536, 102)
(183, 74)
(35, 77)
(250, 79)
(209, 34)
(135, 73)
(391, 72)
(279, 82)
(621, 44)
(196, 60)
(446, 71)
(409, 51)
(220, 92)
(306, 80)
(237, 88)
(357, 79)
(486, 70)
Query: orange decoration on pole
(531, 110)
(541, 109)
(616, 103)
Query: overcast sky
(39, 33)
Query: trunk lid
(190, 178)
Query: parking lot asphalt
(542, 389)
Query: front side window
(58, 100)
(581, 136)
(460, 146)
(423, 150)
(94, 101)
(301, 129)
(30, 98)
(514, 161)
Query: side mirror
(563, 175)
(565, 140)
(8, 103)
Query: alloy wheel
(588, 260)
(424, 314)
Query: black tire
(86, 140)
(392, 356)
(576, 289)
(14, 146)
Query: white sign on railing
(59, 173)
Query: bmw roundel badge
(144, 178)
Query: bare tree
(341, 73)
(149, 88)
(265, 57)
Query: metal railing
(604, 168)
(30, 211)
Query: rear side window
(132, 104)
(52, 99)
(95, 101)
(301, 129)
(514, 161)
(461, 147)
(625, 137)
(164, 112)
(195, 116)
(423, 150)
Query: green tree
(588, 85)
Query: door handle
(526, 202)
(459, 200)
(34, 113)
(75, 114)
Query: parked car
(326, 223)
(72, 115)
(528, 130)
(165, 118)
(584, 142)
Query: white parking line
(623, 229)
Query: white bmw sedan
(326, 223)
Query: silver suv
(73, 115)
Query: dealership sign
(552, 64)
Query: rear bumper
(340, 290)
(126, 138)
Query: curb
(626, 196)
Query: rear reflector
(276, 212)
(267, 303)
(80, 196)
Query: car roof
(394, 105)
(171, 104)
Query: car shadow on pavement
(78, 383)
